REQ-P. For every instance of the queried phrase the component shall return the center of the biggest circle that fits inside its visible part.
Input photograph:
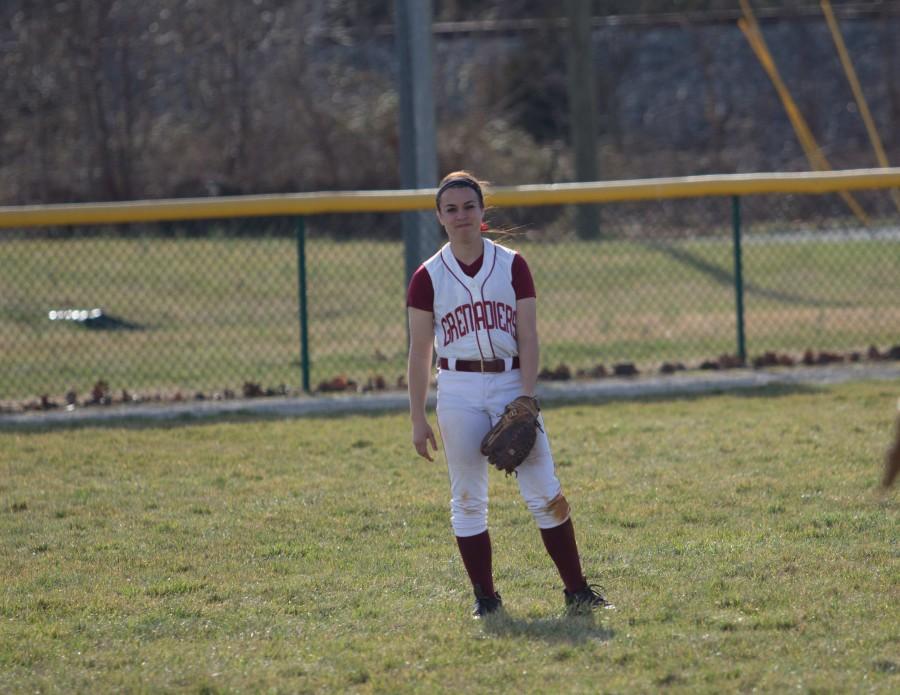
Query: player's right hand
(421, 436)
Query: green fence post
(301, 287)
(738, 277)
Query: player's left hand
(509, 442)
(422, 435)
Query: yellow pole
(754, 36)
(857, 91)
(318, 203)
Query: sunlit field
(742, 538)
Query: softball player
(474, 302)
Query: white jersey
(474, 317)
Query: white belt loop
(451, 364)
(507, 364)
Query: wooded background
(126, 99)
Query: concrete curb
(680, 384)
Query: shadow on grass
(810, 383)
(562, 629)
(763, 391)
(135, 421)
(726, 278)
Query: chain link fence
(251, 308)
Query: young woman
(474, 301)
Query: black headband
(459, 182)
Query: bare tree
(717, 110)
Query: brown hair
(459, 179)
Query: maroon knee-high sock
(561, 546)
(476, 556)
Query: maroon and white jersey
(474, 317)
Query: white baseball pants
(468, 405)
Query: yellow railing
(819, 182)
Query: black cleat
(485, 605)
(586, 600)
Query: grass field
(215, 313)
(741, 537)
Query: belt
(477, 365)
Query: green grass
(741, 537)
(219, 312)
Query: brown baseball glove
(510, 441)
(892, 458)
